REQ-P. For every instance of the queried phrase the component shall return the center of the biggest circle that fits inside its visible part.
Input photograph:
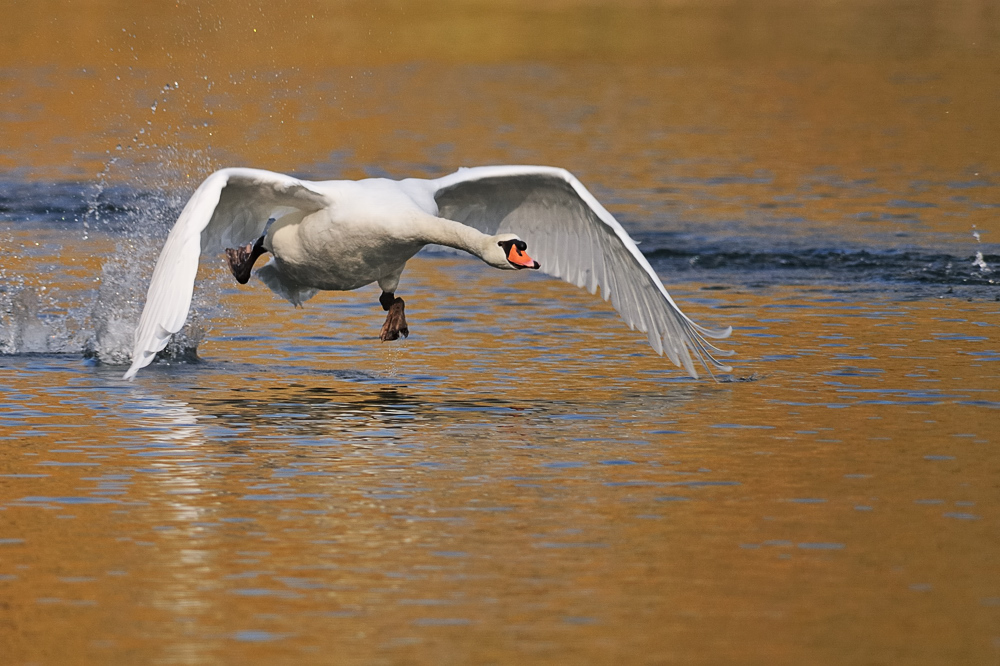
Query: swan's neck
(441, 231)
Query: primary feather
(575, 239)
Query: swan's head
(507, 251)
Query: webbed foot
(395, 321)
(241, 259)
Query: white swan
(341, 235)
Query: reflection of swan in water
(324, 407)
(175, 445)
(342, 235)
(327, 413)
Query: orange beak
(520, 258)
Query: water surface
(522, 480)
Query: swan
(343, 234)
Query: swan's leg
(395, 321)
(241, 259)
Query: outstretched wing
(576, 239)
(230, 208)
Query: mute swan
(340, 235)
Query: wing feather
(230, 208)
(574, 238)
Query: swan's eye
(515, 242)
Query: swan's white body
(341, 235)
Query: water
(522, 480)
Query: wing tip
(694, 342)
(140, 360)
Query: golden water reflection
(876, 105)
(522, 480)
(845, 500)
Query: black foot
(395, 322)
(241, 259)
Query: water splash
(122, 217)
(21, 327)
(75, 274)
(979, 262)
